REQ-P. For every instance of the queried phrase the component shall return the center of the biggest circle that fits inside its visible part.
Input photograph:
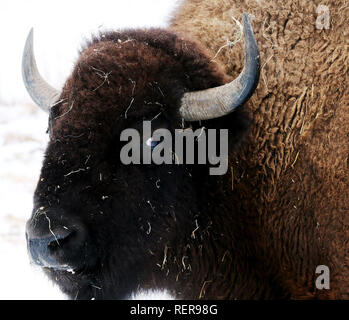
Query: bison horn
(40, 91)
(217, 102)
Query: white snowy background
(60, 27)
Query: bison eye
(151, 142)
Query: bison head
(103, 229)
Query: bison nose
(57, 248)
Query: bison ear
(220, 101)
(40, 91)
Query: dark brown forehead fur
(128, 75)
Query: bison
(101, 229)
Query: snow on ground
(59, 29)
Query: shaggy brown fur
(155, 67)
(291, 178)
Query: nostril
(57, 248)
(60, 240)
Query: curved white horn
(40, 91)
(217, 102)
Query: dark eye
(151, 143)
